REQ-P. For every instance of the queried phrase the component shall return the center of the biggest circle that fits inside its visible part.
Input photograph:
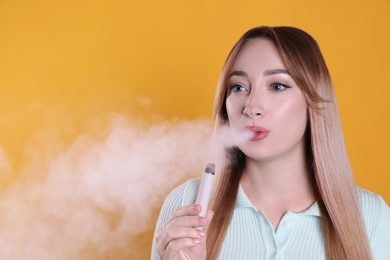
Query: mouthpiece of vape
(210, 168)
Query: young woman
(287, 191)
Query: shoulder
(370, 202)
(372, 205)
(184, 194)
(376, 215)
(374, 209)
(179, 197)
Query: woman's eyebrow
(265, 73)
(275, 71)
(238, 73)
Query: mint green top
(299, 235)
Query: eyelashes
(236, 88)
(279, 87)
(275, 87)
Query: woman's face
(267, 111)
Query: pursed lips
(257, 132)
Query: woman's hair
(327, 159)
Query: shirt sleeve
(179, 197)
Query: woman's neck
(279, 185)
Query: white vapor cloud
(94, 198)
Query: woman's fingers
(175, 246)
(186, 217)
(176, 232)
(178, 238)
(190, 210)
(182, 232)
(184, 229)
(186, 221)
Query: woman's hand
(183, 236)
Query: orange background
(64, 64)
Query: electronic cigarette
(205, 188)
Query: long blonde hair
(327, 159)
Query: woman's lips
(258, 133)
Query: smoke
(4, 165)
(94, 199)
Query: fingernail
(196, 207)
(200, 233)
(202, 220)
(196, 241)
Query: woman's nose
(254, 106)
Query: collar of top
(243, 201)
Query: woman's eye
(278, 87)
(237, 88)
